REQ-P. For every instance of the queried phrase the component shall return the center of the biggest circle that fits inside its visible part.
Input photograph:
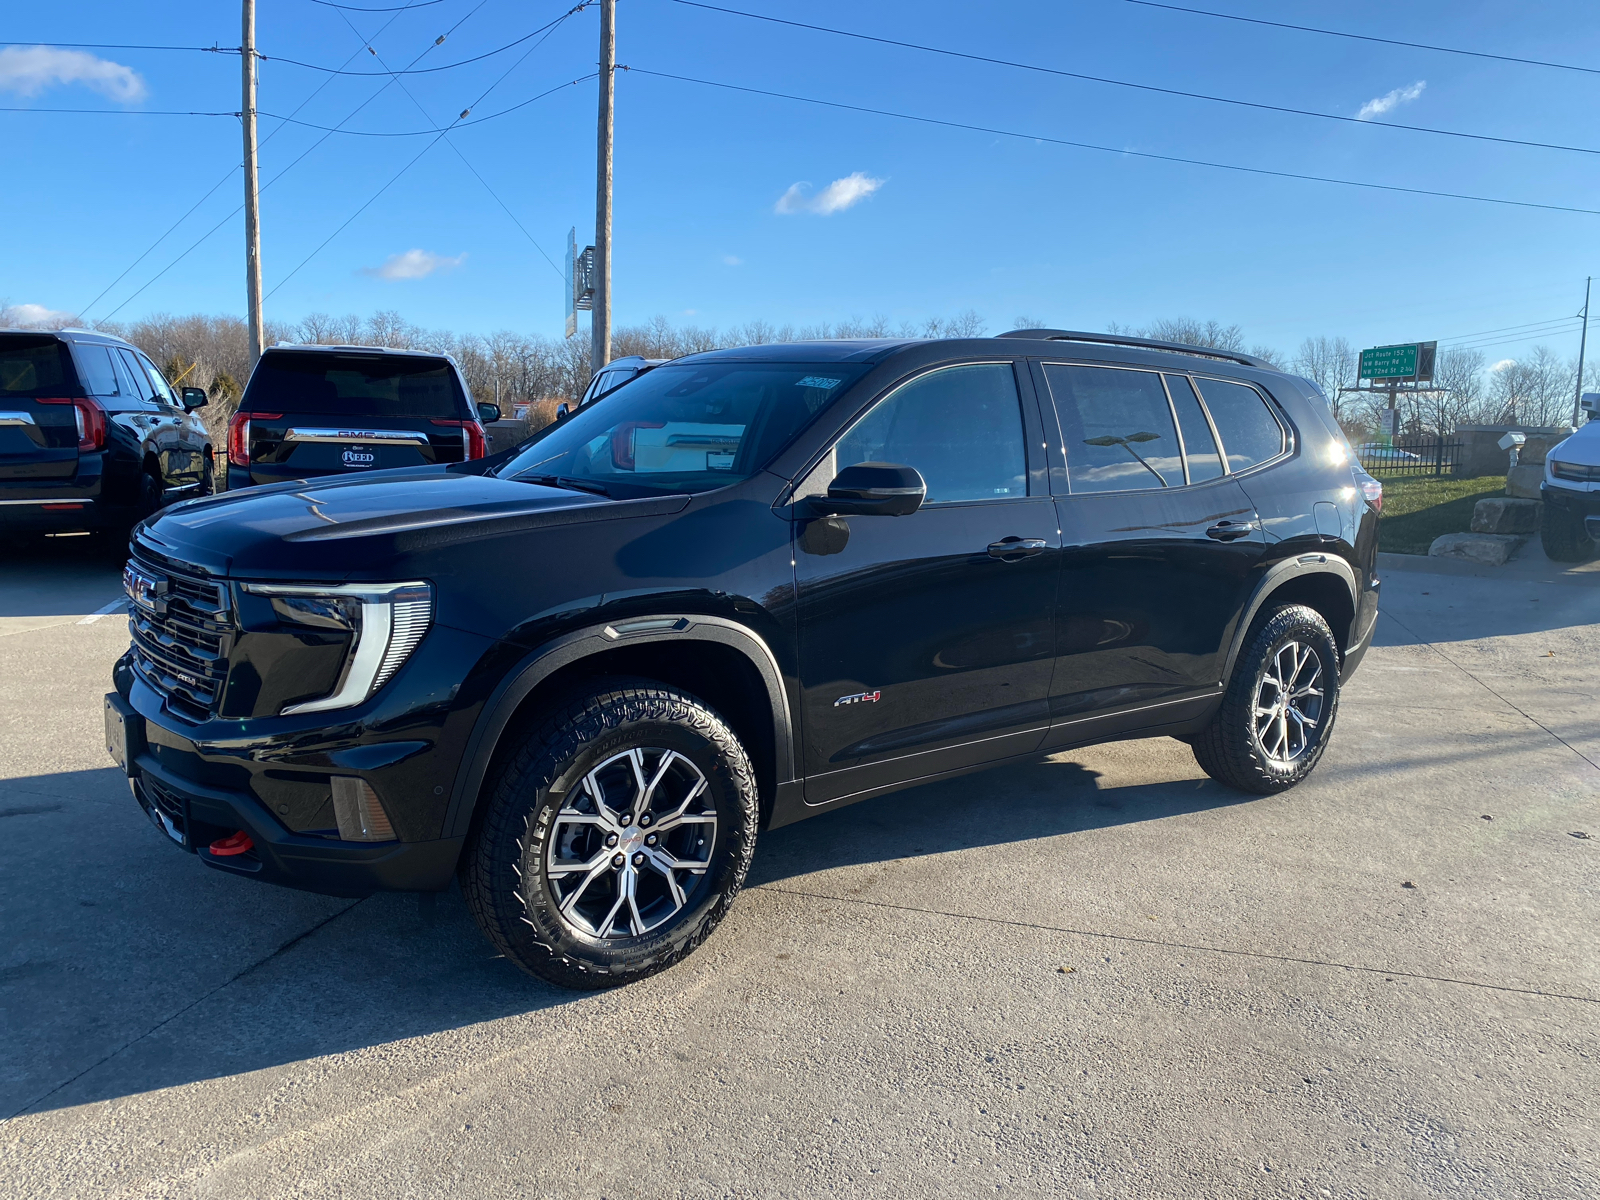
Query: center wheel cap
(631, 840)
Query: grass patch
(1415, 511)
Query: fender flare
(578, 644)
(1318, 563)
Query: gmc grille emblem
(146, 589)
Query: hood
(1583, 447)
(329, 529)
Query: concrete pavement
(1097, 975)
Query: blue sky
(929, 221)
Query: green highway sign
(1389, 362)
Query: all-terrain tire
(1233, 749)
(527, 824)
(1563, 536)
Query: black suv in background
(746, 587)
(311, 411)
(92, 436)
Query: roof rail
(1118, 339)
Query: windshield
(687, 428)
(354, 385)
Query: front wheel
(1279, 708)
(615, 836)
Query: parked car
(1378, 453)
(313, 411)
(92, 436)
(749, 587)
(607, 380)
(1569, 527)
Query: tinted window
(1199, 446)
(35, 365)
(1250, 433)
(134, 376)
(99, 376)
(157, 380)
(961, 427)
(687, 428)
(1116, 427)
(355, 385)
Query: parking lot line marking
(114, 606)
(1387, 972)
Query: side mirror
(872, 490)
(194, 398)
(563, 411)
(1591, 404)
(488, 413)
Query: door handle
(1227, 531)
(1012, 549)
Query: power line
(422, 71)
(1506, 329)
(114, 46)
(1119, 150)
(464, 160)
(1142, 87)
(400, 8)
(1364, 37)
(441, 135)
(122, 112)
(302, 157)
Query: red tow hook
(235, 843)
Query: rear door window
(1116, 427)
(35, 365)
(961, 427)
(355, 385)
(1199, 446)
(1250, 433)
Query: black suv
(747, 587)
(311, 411)
(92, 436)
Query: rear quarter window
(1250, 433)
(35, 365)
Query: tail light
(239, 436)
(1371, 489)
(91, 418)
(474, 442)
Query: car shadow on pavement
(128, 966)
(60, 576)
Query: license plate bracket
(358, 458)
(124, 733)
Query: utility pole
(1583, 342)
(252, 199)
(600, 320)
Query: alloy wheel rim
(631, 844)
(1289, 703)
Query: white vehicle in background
(1377, 452)
(1570, 525)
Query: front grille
(181, 649)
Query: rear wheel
(1563, 536)
(152, 494)
(615, 836)
(208, 475)
(1279, 708)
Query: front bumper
(1584, 505)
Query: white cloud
(35, 316)
(1391, 100)
(1503, 364)
(732, 260)
(836, 197)
(28, 70)
(413, 264)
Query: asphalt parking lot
(1097, 975)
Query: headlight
(385, 620)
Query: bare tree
(1330, 363)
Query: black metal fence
(1420, 454)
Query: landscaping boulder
(1486, 549)
(1505, 514)
(1523, 480)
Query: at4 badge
(859, 698)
